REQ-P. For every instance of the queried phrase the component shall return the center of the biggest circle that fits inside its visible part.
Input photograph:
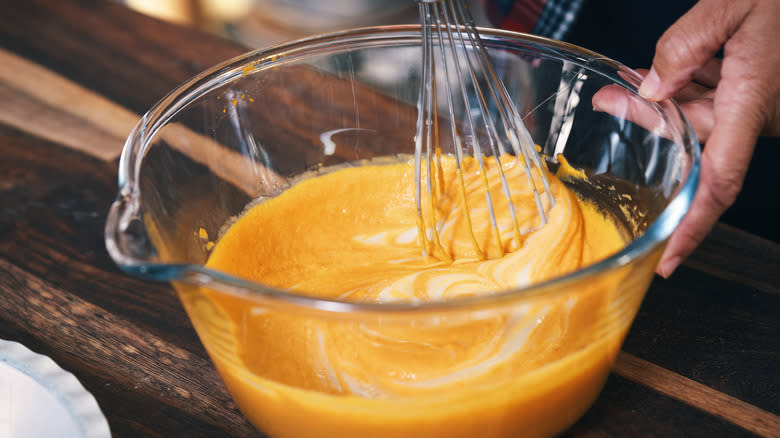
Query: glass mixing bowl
(524, 362)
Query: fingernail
(598, 103)
(668, 266)
(651, 86)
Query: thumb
(689, 43)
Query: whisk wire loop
(450, 23)
(440, 14)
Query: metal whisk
(456, 64)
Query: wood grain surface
(700, 361)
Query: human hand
(729, 102)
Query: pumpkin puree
(527, 369)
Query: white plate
(40, 399)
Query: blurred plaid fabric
(549, 18)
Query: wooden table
(701, 359)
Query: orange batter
(514, 369)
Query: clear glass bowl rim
(138, 141)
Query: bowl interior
(248, 128)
